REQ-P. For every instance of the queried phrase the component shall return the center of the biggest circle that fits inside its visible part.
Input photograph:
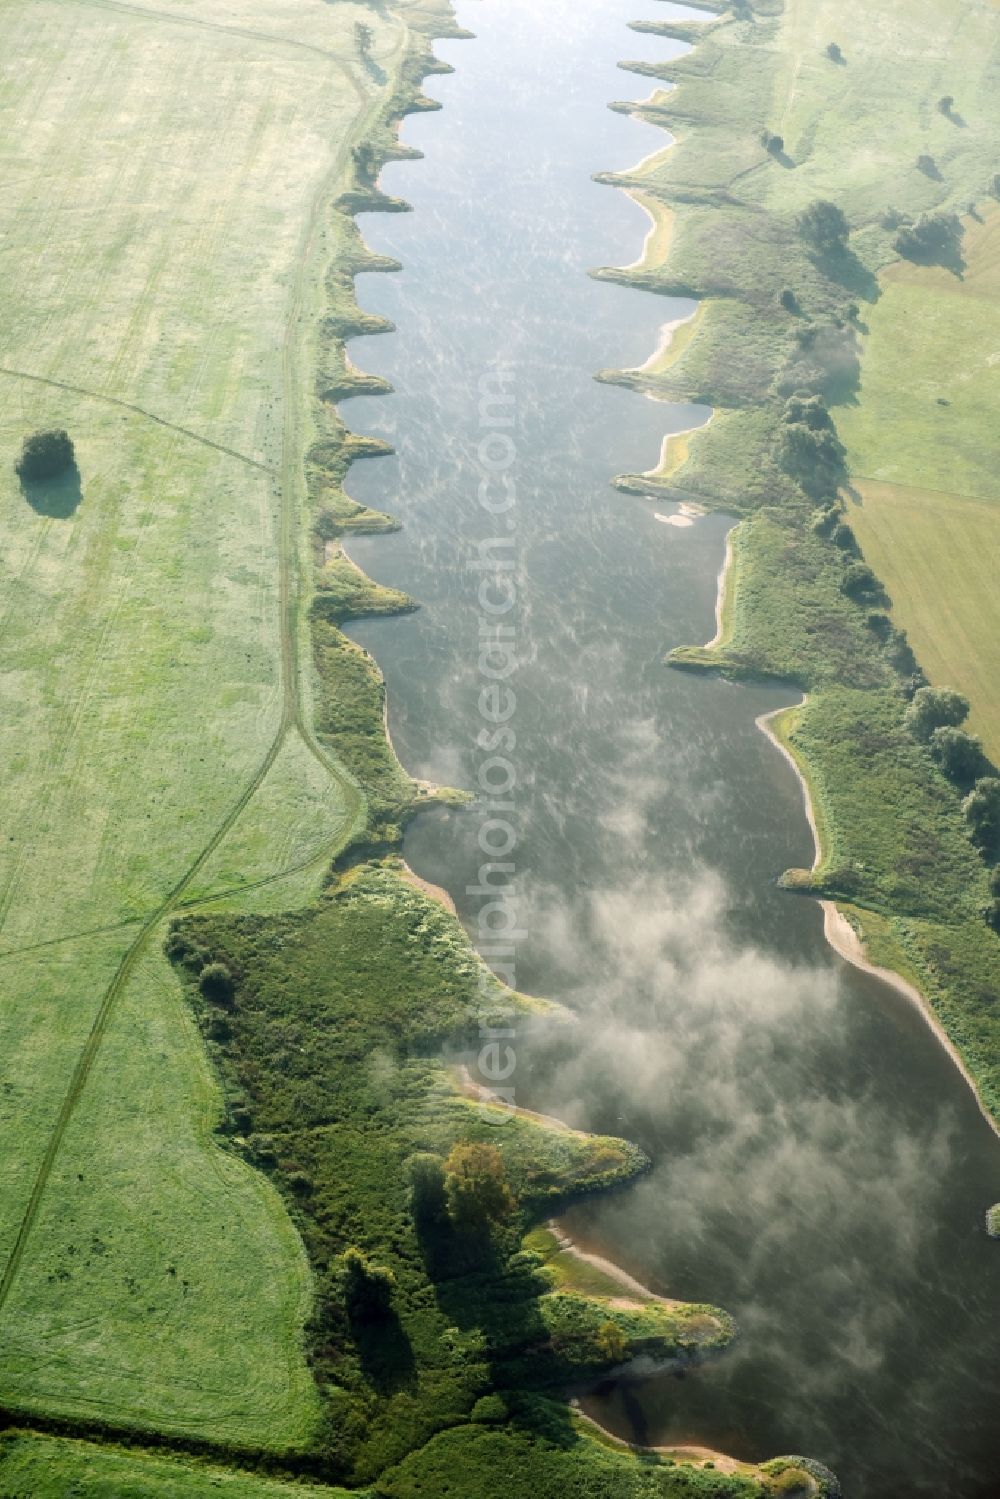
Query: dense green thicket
(328, 1044)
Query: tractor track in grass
(288, 480)
(149, 416)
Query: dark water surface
(819, 1167)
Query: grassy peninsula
(830, 201)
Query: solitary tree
(476, 1186)
(364, 37)
(933, 708)
(946, 104)
(46, 454)
(824, 226)
(833, 52)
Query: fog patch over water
(692, 1044)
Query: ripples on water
(819, 1168)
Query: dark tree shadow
(843, 266)
(782, 158)
(929, 167)
(385, 1352)
(57, 497)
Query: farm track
(293, 718)
(150, 416)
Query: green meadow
(154, 753)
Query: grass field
(162, 241)
(39, 1467)
(923, 452)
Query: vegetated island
(835, 215)
(310, 1265)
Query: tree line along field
(163, 175)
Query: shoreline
(722, 586)
(667, 330)
(686, 1452)
(849, 944)
(607, 1267)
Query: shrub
(489, 1410)
(824, 226)
(216, 983)
(933, 708)
(476, 1186)
(789, 300)
(46, 454)
(859, 582)
(367, 1287)
(959, 754)
(982, 811)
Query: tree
(982, 811)
(960, 755)
(476, 1186)
(859, 582)
(216, 983)
(364, 37)
(824, 226)
(428, 1197)
(612, 1344)
(812, 452)
(788, 300)
(367, 1287)
(933, 238)
(933, 708)
(833, 52)
(927, 165)
(775, 144)
(946, 104)
(46, 454)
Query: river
(819, 1167)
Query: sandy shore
(660, 471)
(614, 1272)
(849, 945)
(655, 226)
(667, 330)
(689, 1454)
(436, 892)
(482, 1094)
(720, 603)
